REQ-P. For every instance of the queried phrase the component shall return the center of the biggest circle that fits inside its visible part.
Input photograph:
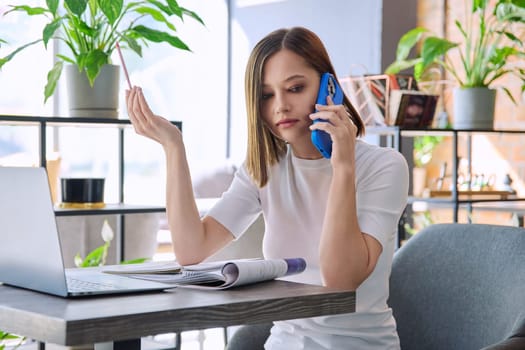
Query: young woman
(340, 214)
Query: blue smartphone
(328, 87)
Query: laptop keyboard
(75, 285)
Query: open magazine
(214, 275)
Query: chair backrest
(458, 286)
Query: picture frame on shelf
(412, 109)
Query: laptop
(30, 252)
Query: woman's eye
(266, 96)
(297, 88)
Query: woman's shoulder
(367, 150)
(374, 158)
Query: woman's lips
(286, 123)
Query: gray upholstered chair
(460, 286)
(453, 287)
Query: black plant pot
(84, 191)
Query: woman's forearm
(344, 257)
(187, 230)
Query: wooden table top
(87, 320)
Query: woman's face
(290, 88)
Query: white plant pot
(474, 108)
(99, 101)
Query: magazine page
(245, 271)
(150, 267)
(227, 274)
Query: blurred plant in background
(97, 257)
(423, 148)
(11, 340)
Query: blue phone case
(328, 87)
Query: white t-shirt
(293, 203)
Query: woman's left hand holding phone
(148, 124)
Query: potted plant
(91, 29)
(491, 48)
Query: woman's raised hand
(341, 129)
(148, 124)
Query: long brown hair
(264, 149)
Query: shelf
(450, 201)
(110, 209)
(412, 132)
(72, 121)
(509, 205)
(401, 139)
(472, 194)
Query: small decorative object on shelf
(82, 193)
(507, 184)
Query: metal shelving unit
(394, 136)
(120, 208)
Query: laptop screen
(30, 254)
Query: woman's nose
(282, 104)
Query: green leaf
(419, 69)
(93, 61)
(512, 38)
(478, 5)
(156, 15)
(50, 29)
(499, 56)
(461, 29)
(8, 336)
(84, 28)
(111, 8)
(95, 257)
(52, 5)
(31, 11)
(161, 6)
(399, 66)
(509, 94)
(512, 12)
(9, 57)
(408, 41)
(192, 15)
(133, 44)
(52, 79)
(434, 48)
(174, 7)
(67, 59)
(76, 6)
(159, 36)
